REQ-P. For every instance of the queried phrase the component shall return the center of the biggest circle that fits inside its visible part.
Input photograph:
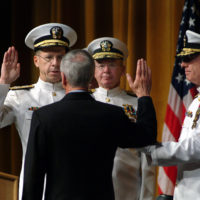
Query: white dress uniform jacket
(185, 154)
(133, 179)
(17, 106)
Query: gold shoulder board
(23, 87)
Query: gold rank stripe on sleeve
(23, 87)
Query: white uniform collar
(109, 93)
(49, 86)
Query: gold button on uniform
(107, 99)
(54, 93)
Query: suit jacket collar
(79, 96)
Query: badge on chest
(130, 111)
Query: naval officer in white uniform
(185, 153)
(50, 42)
(133, 179)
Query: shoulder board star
(130, 93)
(23, 87)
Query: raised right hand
(141, 86)
(10, 69)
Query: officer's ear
(36, 60)
(64, 80)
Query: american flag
(181, 94)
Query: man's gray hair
(78, 67)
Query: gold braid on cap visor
(100, 55)
(188, 51)
(51, 43)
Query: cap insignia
(106, 45)
(56, 32)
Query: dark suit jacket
(74, 141)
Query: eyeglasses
(50, 59)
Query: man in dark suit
(74, 140)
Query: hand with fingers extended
(142, 84)
(10, 69)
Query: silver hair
(78, 67)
